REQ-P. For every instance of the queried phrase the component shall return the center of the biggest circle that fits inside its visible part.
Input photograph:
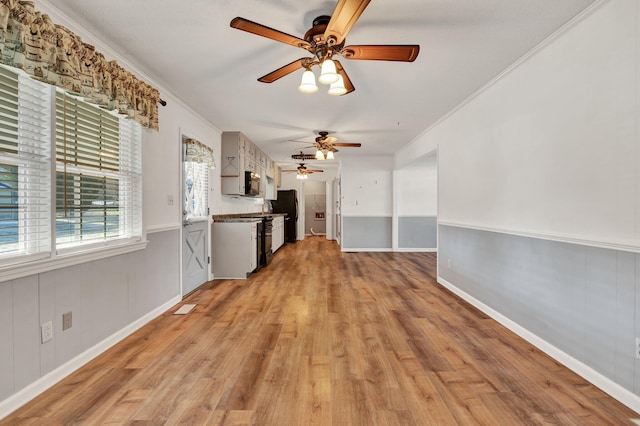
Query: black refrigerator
(287, 202)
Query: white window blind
(196, 177)
(98, 175)
(25, 200)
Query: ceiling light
(330, 155)
(302, 176)
(337, 88)
(328, 72)
(319, 155)
(308, 83)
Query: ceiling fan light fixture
(330, 155)
(337, 88)
(328, 73)
(319, 155)
(302, 176)
(308, 82)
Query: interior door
(194, 255)
(195, 222)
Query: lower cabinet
(277, 233)
(234, 249)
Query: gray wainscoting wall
(583, 300)
(366, 232)
(104, 296)
(418, 232)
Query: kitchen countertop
(244, 217)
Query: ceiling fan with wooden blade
(325, 39)
(325, 146)
(302, 171)
(303, 156)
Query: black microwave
(251, 184)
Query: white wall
(548, 155)
(416, 189)
(551, 148)
(367, 186)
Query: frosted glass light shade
(337, 88)
(328, 72)
(319, 155)
(330, 155)
(308, 82)
(300, 176)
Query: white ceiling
(189, 48)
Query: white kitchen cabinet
(236, 159)
(277, 233)
(234, 248)
(240, 155)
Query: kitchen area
(243, 243)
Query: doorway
(195, 221)
(315, 212)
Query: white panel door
(194, 255)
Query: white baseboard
(365, 250)
(34, 389)
(416, 250)
(618, 392)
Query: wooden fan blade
(389, 52)
(281, 72)
(345, 14)
(347, 81)
(297, 141)
(357, 145)
(264, 31)
(303, 157)
(314, 170)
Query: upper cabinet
(235, 161)
(240, 155)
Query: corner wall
(539, 197)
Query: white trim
(629, 246)
(13, 272)
(364, 250)
(415, 250)
(162, 228)
(524, 58)
(34, 389)
(367, 215)
(618, 392)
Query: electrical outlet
(448, 263)
(170, 199)
(637, 347)
(66, 320)
(46, 331)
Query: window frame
(17, 266)
(125, 177)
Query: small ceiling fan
(325, 146)
(303, 171)
(324, 40)
(303, 156)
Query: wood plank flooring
(321, 337)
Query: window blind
(196, 177)
(25, 200)
(98, 174)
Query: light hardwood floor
(327, 338)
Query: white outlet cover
(46, 331)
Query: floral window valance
(53, 54)
(198, 152)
